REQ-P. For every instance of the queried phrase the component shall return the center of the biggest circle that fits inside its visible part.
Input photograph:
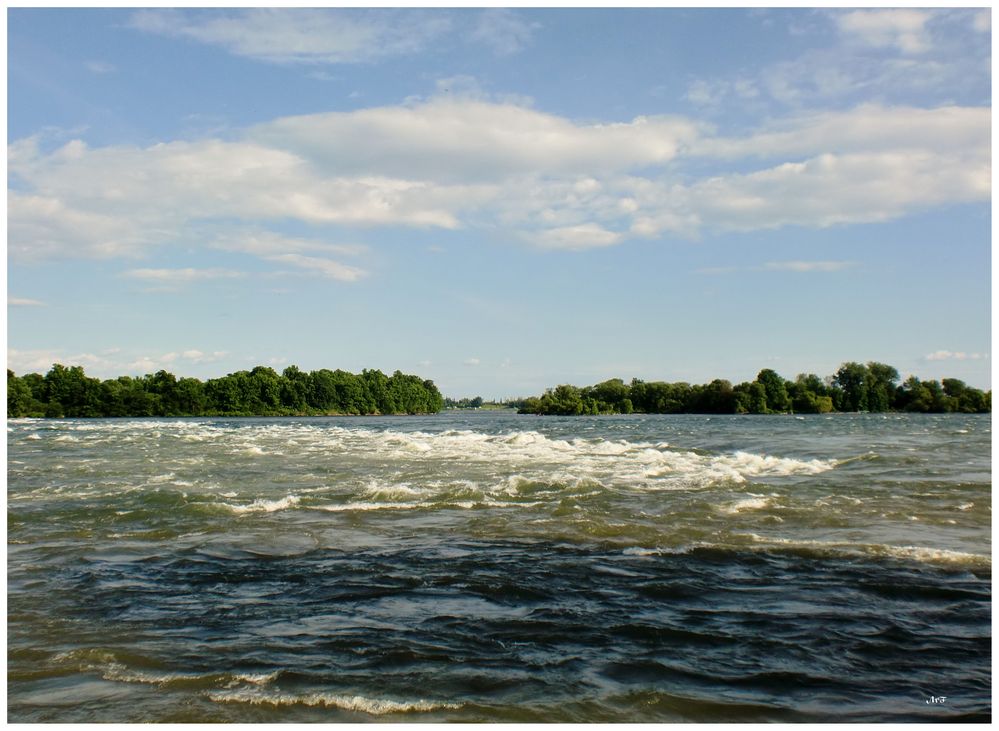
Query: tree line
(69, 392)
(854, 387)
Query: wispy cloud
(471, 362)
(23, 302)
(100, 67)
(503, 30)
(900, 28)
(577, 238)
(321, 267)
(264, 243)
(801, 267)
(807, 266)
(301, 35)
(887, 54)
(181, 276)
(955, 355)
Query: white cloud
(23, 302)
(503, 30)
(42, 227)
(577, 238)
(904, 29)
(181, 276)
(40, 361)
(782, 266)
(100, 67)
(891, 54)
(486, 166)
(301, 35)
(837, 189)
(264, 243)
(472, 361)
(323, 267)
(462, 139)
(950, 355)
(865, 128)
(109, 363)
(807, 266)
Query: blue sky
(501, 200)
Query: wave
(115, 666)
(372, 706)
(922, 554)
(263, 506)
(752, 503)
(615, 463)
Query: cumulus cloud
(466, 139)
(40, 360)
(469, 163)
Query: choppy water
(493, 567)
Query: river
(484, 566)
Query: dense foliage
(261, 392)
(854, 387)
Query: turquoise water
(495, 567)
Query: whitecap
(922, 554)
(371, 706)
(264, 506)
(751, 503)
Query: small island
(69, 392)
(855, 387)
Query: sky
(501, 200)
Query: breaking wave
(371, 706)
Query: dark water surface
(494, 567)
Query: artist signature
(936, 700)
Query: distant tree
(19, 399)
(880, 381)
(852, 378)
(776, 391)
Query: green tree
(776, 391)
(751, 398)
(75, 393)
(19, 400)
(881, 380)
(852, 379)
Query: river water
(494, 567)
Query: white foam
(348, 507)
(264, 506)
(752, 503)
(922, 554)
(372, 706)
